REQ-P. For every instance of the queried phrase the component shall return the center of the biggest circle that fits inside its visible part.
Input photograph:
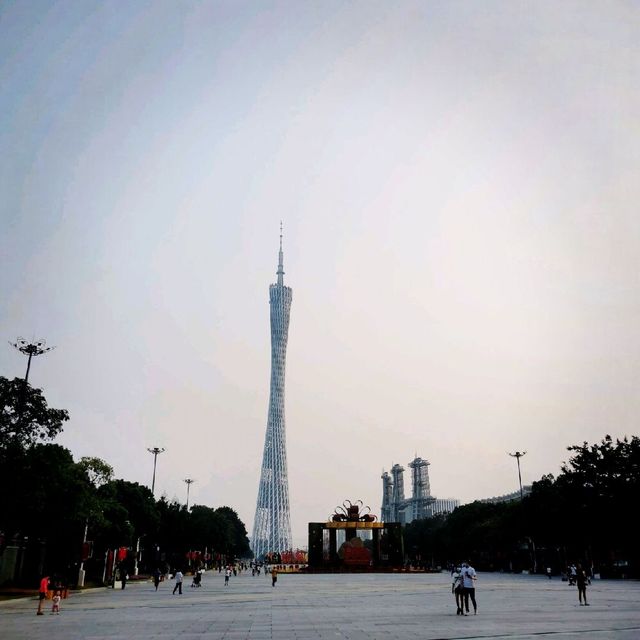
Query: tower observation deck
(272, 523)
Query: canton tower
(272, 525)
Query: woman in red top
(42, 593)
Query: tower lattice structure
(272, 523)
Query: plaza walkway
(356, 607)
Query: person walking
(123, 575)
(42, 594)
(227, 575)
(457, 589)
(156, 578)
(274, 576)
(581, 581)
(468, 587)
(179, 577)
(55, 603)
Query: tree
(424, 542)
(173, 530)
(239, 547)
(98, 471)
(208, 529)
(26, 418)
(47, 508)
(599, 483)
(51, 492)
(129, 512)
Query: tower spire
(280, 271)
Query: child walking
(55, 606)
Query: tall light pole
(517, 455)
(81, 571)
(30, 349)
(155, 451)
(189, 482)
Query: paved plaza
(357, 607)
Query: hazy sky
(458, 183)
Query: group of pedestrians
(52, 589)
(228, 572)
(578, 576)
(463, 588)
(179, 578)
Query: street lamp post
(517, 455)
(81, 571)
(136, 557)
(155, 451)
(188, 482)
(30, 349)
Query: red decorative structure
(350, 512)
(353, 540)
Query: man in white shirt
(573, 573)
(468, 585)
(179, 577)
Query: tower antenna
(280, 271)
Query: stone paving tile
(335, 607)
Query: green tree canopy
(598, 485)
(129, 511)
(25, 416)
(53, 494)
(98, 471)
(173, 530)
(238, 533)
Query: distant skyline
(458, 187)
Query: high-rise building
(420, 489)
(397, 493)
(397, 508)
(386, 514)
(272, 523)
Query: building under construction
(395, 506)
